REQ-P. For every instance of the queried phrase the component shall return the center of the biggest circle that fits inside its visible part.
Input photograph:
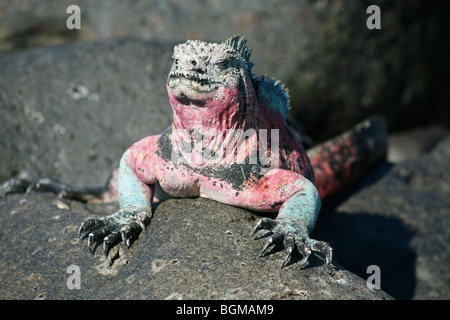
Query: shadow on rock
(360, 240)
(365, 237)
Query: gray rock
(193, 249)
(71, 111)
(414, 142)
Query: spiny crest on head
(238, 44)
(273, 93)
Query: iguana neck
(225, 109)
(216, 122)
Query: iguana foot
(63, 190)
(292, 237)
(14, 185)
(121, 225)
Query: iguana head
(201, 68)
(211, 82)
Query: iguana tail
(344, 158)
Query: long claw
(90, 242)
(305, 259)
(105, 246)
(286, 258)
(129, 230)
(90, 224)
(268, 243)
(322, 247)
(144, 219)
(98, 234)
(264, 224)
(125, 240)
(142, 225)
(256, 228)
(272, 240)
(289, 244)
(329, 256)
(110, 240)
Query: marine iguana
(229, 142)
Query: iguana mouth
(193, 80)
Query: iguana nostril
(194, 63)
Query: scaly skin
(229, 142)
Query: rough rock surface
(71, 111)
(193, 249)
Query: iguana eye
(221, 63)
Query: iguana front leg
(135, 199)
(290, 194)
(294, 223)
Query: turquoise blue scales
(133, 193)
